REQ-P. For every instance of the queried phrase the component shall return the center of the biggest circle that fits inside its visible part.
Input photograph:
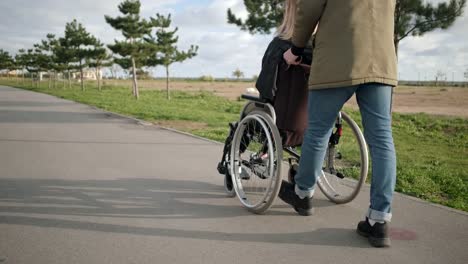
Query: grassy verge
(432, 151)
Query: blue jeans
(374, 102)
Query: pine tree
(61, 57)
(133, 51)
(415, 17)
(46, 55)
(42, 62)
(65, 56)
(12, 66)
(80, 44)
(167, 51)
(412, 17)
(32, 64)
(6, 61)
(263, 16)
(21, 61)
(100, 58)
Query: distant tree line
(146, 43)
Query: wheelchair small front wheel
(228, 185)
(256, 157)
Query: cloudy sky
(222, 47)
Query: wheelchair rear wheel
(345, 166)
(256, 158)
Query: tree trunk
(98, 69)
(23, 76)
(32, 80)
(81, 77)
(50, 80)
(135, 85)
(63, 80)
(167, 82)
(55, 79)
(111, 69)
(69, 80)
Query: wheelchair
(254, 155)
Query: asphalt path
(80, 185)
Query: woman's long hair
(285, 30)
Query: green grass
(431, 151)
(432, 157)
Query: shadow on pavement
(322, 236)
(123, 198)
(144, 199)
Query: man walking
(353, 54)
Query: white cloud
(444, 50)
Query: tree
(46, 55)
(37, 62)
(61, 57)
(263, 15)
(32, 64)
(42, 62)
(134, 50)
(114, 69)
(440, 75)
(12, 67)
(65, 56)
(415, 17)
(238, 74)
(167, 51)
(80, 44)
(6, 61)
(412, 17)
(465, 74)
(21, 61)
(100, 58)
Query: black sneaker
(289, 196)
(376, 234)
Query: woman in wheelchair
(253, 151)
(285, 88)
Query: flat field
(448, 101)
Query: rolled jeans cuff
(379, 216)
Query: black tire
(228, 185)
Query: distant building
(14, 73)
(88, 74)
